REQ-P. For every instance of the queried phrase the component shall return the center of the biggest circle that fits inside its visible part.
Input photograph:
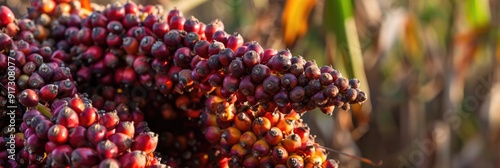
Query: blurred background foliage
(431, 69)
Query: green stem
(44, 110)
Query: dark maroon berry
(107, 149)
(313, 87)
(361, 98)
(331, 91)
(226, 56)
(150, 20)
(109, 120)
(326, 79)
(29, 68)
(267, 55)
(24, 47)
(234, 41)
(98, 20)
(110, 60)
(251, 58)
(85, 36)
(177, 22)
(135, 158)
(96, 133)
(182, 57)
(42, 128)
(67, 117)
(214, 62)
(319, 98)
(27, 24)
(342, 83)
(35, 120)
(48, 92)
(246, 86)
(173, 73)
(289, 81)
(346, 107)
(215, 47)
(310, 63)
(99, 35)
(261, 95)
(45, 72)
(159, 65)
(172, 13)
(191, 39)
(129, 75)
(28, 36)
(5, 42)
(201, 48)
(354, 83)
(272, 84)
(192, 25)
(159, 50)
(83, 74)
(280, 63)
(76, 103)
(146, 44)
(58, 134)
(115, 27)
(71, 35)
(312, 72)
(241, 50)
(45, 52)
(130, 21)
(131, 7)
(84, 157)
(297, 94)
(351, 94)
(216, 79)
(62, 55)
(326, 69)
(185, 77)
(93, 54)
(28, 98)
(255, 46)
(29, 114)
(61, 154)
(202, 68)
(6, 16)
(237, 68)
(259, 73)
(231, 83)
(281, 98)
(173, 39)
(126, 127)
(35, 58)
(19, 58)
(146, 142)
(78, 137)
(160, 28)
(116, 12)
(285, 53)
(220, 36)
(66, 88)
(88, 117)
(109, 163)
(122, 141)
(212, 27)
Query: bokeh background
(430, 68)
